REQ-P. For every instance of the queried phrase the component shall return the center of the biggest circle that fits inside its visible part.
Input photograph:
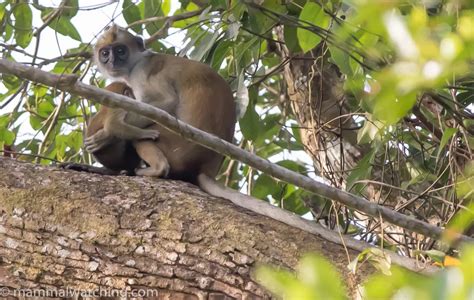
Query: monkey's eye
(120, 50)
(104, 53)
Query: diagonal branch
(70, 84)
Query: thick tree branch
(69, 84)
(63, 229)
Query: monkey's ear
(113, 27)
(140, 43)
(128, 92)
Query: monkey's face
(117, 51)
(114, 58)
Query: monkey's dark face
(117, 51)
(115, 58)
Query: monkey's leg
(153, 156)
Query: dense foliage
(317, 279)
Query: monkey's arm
(115, 127)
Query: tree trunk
(329, 133)
(316, 93)
(64, 229)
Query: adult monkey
(187, 89)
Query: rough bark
(320, 106)
(65, 229)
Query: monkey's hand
(97, 141)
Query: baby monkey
(121, 154)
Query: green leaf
(40, 90)
(74, 141)
(316, 272)
(264, 186)
(361, 171)
(448, 133)
(60, 146)
(23, 24)
(36, 122)
(6, 136)
(70, 9)
(341, 59)
(10, 82)
(2, 10)
(204, 46)
(261, 22)
(317, 279)
(314, 14)
(45, 109)
(220, 53)
(390, 108)
(371, 131)
(291, 38)
(8, 32)
(63, 67)
(292, 200)
(4, 120)
(64, 26)
(72, 110)
(377, 257)
(131, 13)
(245, 48)
(218, 4)
(435, 255)
(250, 124)
(279, 282)
(292, 165)
(152, 8)
(165, 7)
(186, 22)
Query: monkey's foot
(160, 170)
(87, 168)
(150, 134)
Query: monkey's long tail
(214, 188)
